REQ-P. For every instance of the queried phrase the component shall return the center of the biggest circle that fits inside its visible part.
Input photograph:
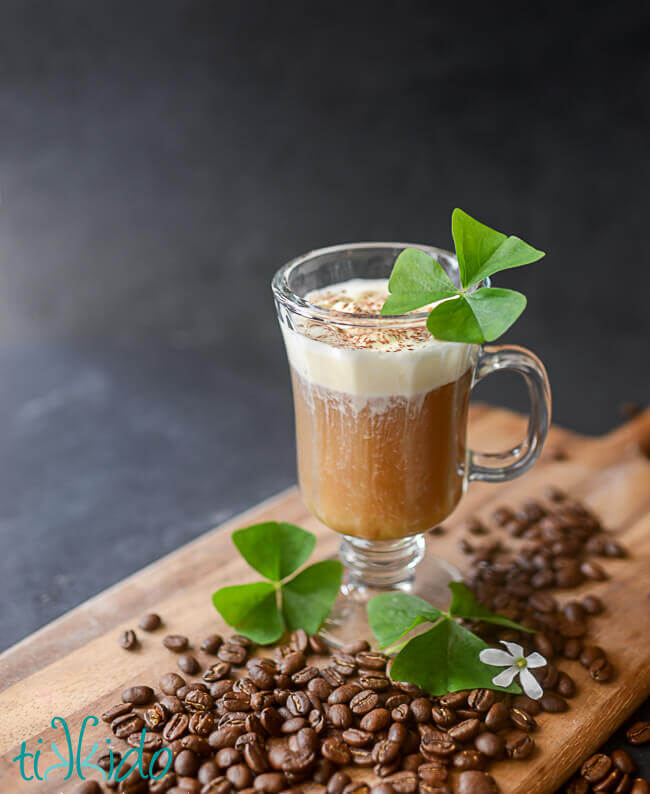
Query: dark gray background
(159, 160)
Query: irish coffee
(381, 416)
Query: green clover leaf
(308, 597)
(416, 280)
(479, 317)
(274, 549)
(482, 251)
(277, 550)
(252, 609)
(465, 315)
(446, 659)
(392, 615)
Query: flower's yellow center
(521, 663)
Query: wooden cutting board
(73, 667)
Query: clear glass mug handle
(502, 466)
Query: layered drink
(381, 415)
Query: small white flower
(516, 663)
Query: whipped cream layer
(371, 361)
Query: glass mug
(381, 434)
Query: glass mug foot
(374, 567)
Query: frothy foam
(365, 361)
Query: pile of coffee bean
(307, 714)
(552, 544)
(614, 772)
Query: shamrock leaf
(482, 251)
(446, 659)
(479, 317)
(465, 605)
(308, 597)
(391, 615)
(252, 609)
(274, 549)
(417, 279)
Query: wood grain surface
(73, 667)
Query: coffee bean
(233, 653)
(454, 700)
(400, 713)
(188, 664)
(497, 718)
(172, 704)
(403, 782)
(319, 687)
(217, 786)
(176, 726)
(256, 758)
(375, 681)
(150, 622)
(601, 670)
(475, 782)
(356, 787)
(565, 685)
(592, 605)
(356, 647)
(364, 701)
(481, 699)
(298, 704)
(371, 660)
(466, 730)
(596, 767)
(128, 640)
(104, 761)
(323, 771)
(543, 602)
(292, 662)
(421, 710)
(150, 743)
(519, 745)
(337, 783)
(216, 672)
(211, 644)
(375, 720)
(592, 570)
(307, 675)
(572, 649)
(344, 694)
(170, 683)
(117, 711)
(521, 719)
(544, 645)
(126, 725)
(382, 788)
(293, 725)
(491, 745)
(469, 759)
(432, 772)
(339, 716)
(639, 733)
(318, 645)
(208, 771)
(344, 664)
(163, 784)
(437, 743)
(589, 654)
(138, 695)
(155, 716)
(609, 782)
(336, 751)
(640, 786)
(553, 703)
(175, 642)
(240, 776)
(271, 782)
(201, 723)
(186, 763)
(623, 760)
(333, 678)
